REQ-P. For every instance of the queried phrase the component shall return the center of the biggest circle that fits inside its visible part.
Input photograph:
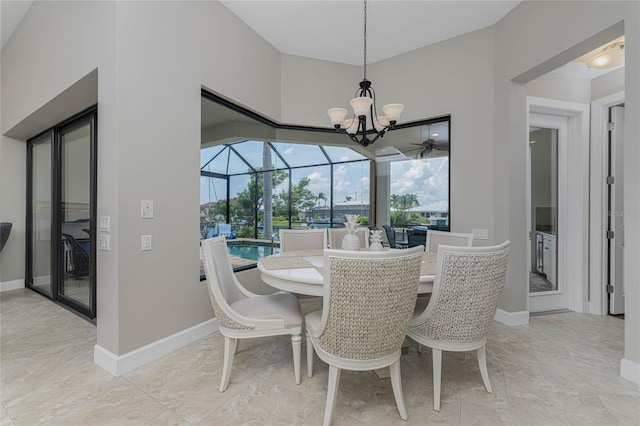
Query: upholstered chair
(369, 298)
(437, 238)
(244, 315)
(303, 239)
(468, 285)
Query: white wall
(561, 88)
(607, 84)
(432, 81)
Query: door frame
(88, 116)
(598, 300)
(572, 265)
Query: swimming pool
(251, 250)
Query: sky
(427, 179)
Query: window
(419, 187)
(258, 176)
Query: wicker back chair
(438, 238)
(466, 291)
(337, 234)
(369, 297)
(242, 314)
(303, 239)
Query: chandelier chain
(365, 39)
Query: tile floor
(559, 369)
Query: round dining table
(300, 272)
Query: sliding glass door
(62, 201)
(40, 252)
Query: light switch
(104, 242)
(146, 242)
(146, 208)
(105, 223)
(480, 234)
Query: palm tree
(322, 196)
(404, 202)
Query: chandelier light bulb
(361, 105)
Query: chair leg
(229, 351)
(296, 344)
(437, 373)
(482, 362)
(396, 383)
(418, 347)
(309, 356)
(332, 392)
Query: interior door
(547, 152)
(615, 237)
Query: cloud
(428, 180)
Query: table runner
(284, 262)
(428, 266)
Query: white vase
(376, 247)
(351, 242)
(376, 240)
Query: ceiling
(333, 30)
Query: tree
(267, 184)
(322, 196)
(301, 197)
(402, 203)
(207, 220)
(248, 202)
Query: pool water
(251, 251)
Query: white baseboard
(11, 285)
(118, 365)
(630, 370)
(512, 318)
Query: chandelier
(364, 109)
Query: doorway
(61, 213)
(559, 217)
(616, 211)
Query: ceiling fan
(429, 146)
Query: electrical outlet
(104, 242)
(146, 209)
(480, 234)
(146, 242)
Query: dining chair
(302, 239)
(242, 314)
(79, 259)
(337, 234)
(437, 238)
(466, 291)
(433, 240)
(391, 238)
(369, 298)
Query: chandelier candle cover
(364, 107)
(351, 241)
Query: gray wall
(149, 100)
